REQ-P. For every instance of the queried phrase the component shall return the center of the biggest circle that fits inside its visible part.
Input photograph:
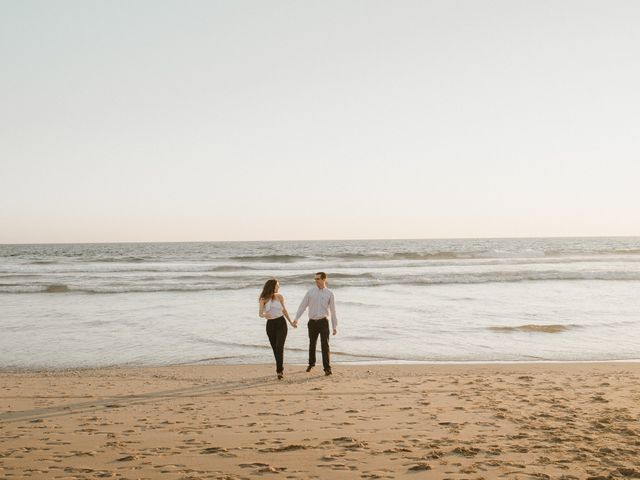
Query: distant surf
(183, 279)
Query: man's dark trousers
(319, 327)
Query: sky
(273, 120)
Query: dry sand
(528, 421)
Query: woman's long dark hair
(269, 289)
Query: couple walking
(320, 301)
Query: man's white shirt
(320, 301)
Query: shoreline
(516, 421)
(357, 363)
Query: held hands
(294, 324)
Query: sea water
(459, 300)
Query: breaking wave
(268, 258)
(208, 281)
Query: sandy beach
(516, 421)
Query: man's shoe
(327, 373)
(309, 368)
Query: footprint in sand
(465, 451)
(126, 458)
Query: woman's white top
(273, 309)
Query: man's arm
(334, 317)
(303, 305)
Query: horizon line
(321, 240)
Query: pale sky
(265, 120)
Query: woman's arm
(284, 310)
(261, 312)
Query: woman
(272, 308)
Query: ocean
(460, 300)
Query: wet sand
(514, 421)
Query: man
(320, 301)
